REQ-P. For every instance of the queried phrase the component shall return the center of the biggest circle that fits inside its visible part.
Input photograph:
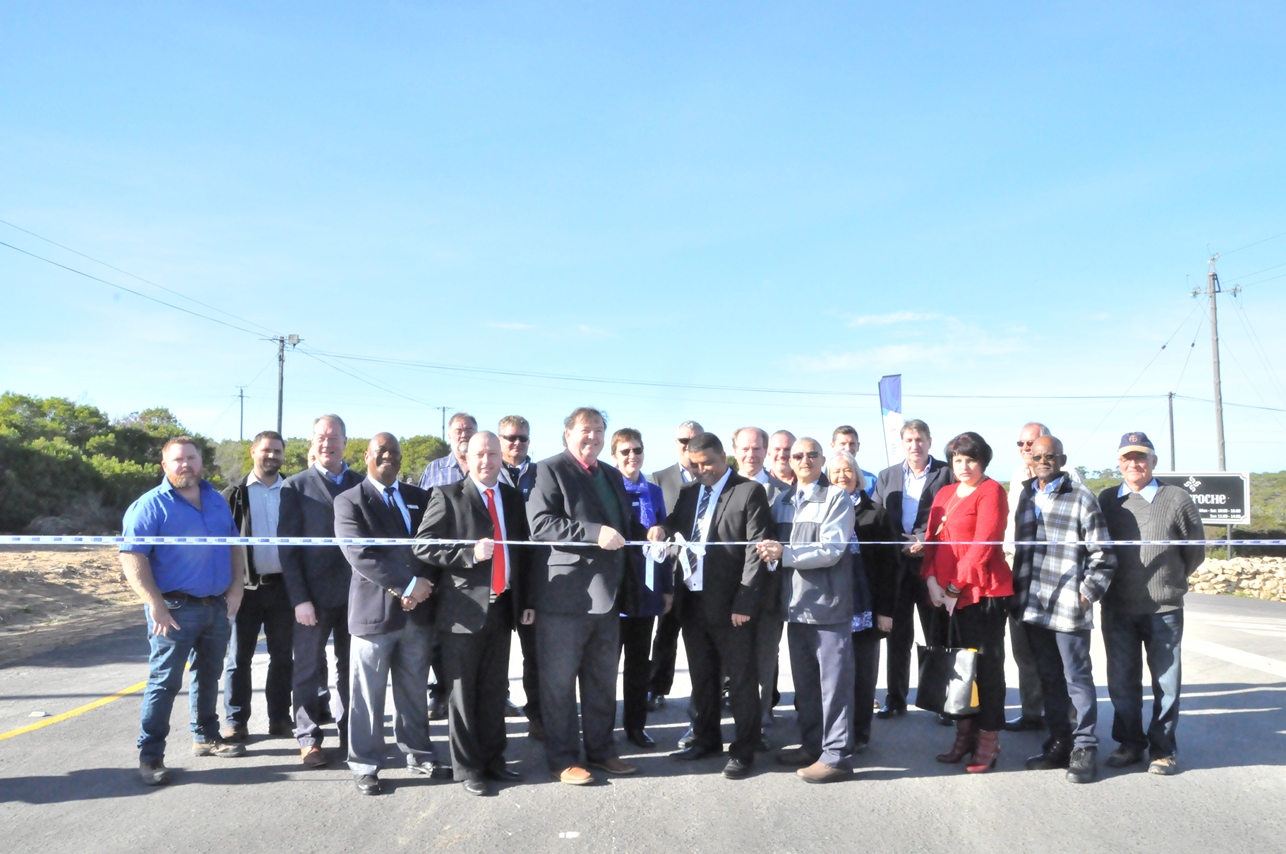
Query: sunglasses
(684, 442)
(806, 455)
(1045, 458)
(625, 452)
(1020, 443)
(517, 437)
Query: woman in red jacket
(967, 575)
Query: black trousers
(665, 649)
(714, 651)
(267, 607)
(476, 667)
(981, 626)
(636, 642)
(866, 670)
(530, 671)
(309, 680)
(912, 596)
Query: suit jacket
(380, 573)
(462, 584)
(671, 481)
(732, 576)
(888, 492)
(564, 507)
(238, 498)
(317, 574)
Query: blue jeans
(1127, 637)
(203, 634)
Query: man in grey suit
(391, 626)
(665, 644)
(750, 448)
(317, 580)
(578, 500)
(907, 491)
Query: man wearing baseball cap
(1143, 608)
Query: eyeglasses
(625, 452)
(1045, 458)
(517, 437)
(1022, 444)
(806, 455)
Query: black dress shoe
(512, 711)
(686, 739)
(640, 738)
(655, 702)
(736, 769)
(368, 784)
(1022, 723)
(438, 710)
(944, 720)
(1055, 753)
(888, 711)
(477, 787)
(504, 774)
(695, 752)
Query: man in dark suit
(317, 580)
(519, 471)
(665, 644)
(576, 591)
(481, 595)
(907, 491)
(391, 626)
(719, 594)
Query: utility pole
(282, 341)
(1213, 289)
(241, 393)
(1172, 466)
(444, 420)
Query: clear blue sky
(989, 199)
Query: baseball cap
(1138, 441)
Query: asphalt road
(72, 785)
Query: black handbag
(948, 678)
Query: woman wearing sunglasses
(968, 577)
(655, 586)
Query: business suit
(912, 594)
(665, 644)
(524, 483)
(731, 583)
(578, 595)
(473, 622)
(386, 639)
(320, 575)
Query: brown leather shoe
(796, 756)
(235, 733)
(575, 776)
(313, 756)
(615, 765)
(820, 772)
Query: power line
(133, 276)
(132, 291)
(1256, 243)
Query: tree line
(70, 468)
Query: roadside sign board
(1222, 497)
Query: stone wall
(1255, 577)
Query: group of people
(592, 564)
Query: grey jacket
(817, 572)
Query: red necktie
(497, 557)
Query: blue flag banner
(891, 416)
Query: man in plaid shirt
(1061, 569)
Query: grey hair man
(452, 468)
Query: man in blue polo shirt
(190, 593)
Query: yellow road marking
(80, 710)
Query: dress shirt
(500, 514)
(912, 489)
(265, 508)
(1043, 496)
(685, 475)
(400, 503)
(694, 581)
(1147, 493)
(761, 476)
(333, 478)
(443, 471)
